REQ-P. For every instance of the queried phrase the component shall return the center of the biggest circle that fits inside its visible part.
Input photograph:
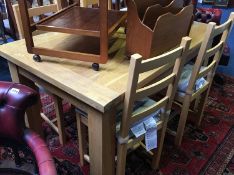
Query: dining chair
(112, 4)
(196, 79)
(94, 3)
(9, 22)
(2, 29)
(132, 113)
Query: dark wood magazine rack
(95, 22)
(153, 29)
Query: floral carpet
(206, 150)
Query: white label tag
(150, 123)
(151, 139)
(138, 130)
(14, 91)
(151, 134)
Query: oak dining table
(98, 93)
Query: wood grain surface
(100, 89)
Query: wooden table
(97, 93)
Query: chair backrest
(209, 54)
(11, 28)
(91, 3)
(34, 11)
(137, 67)
(2, 29)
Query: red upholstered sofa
(14, 100)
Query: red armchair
(207, 15)
(14, 100)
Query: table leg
(101, 142)
(33, 113)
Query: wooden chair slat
(158, 105)
(159, 61)
(213, 50)
(206, 70)
(36, 11)
(199, 91)
(220, 28)
(154, 88)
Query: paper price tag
(14, 91)
(151, 134)
(150, 123)
(138, 130)
(151, 139)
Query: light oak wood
(34, 11)
(147, 91)
(158, 105)
(205, 52)
(82, 130)
(104, 125)
(47, 120)
(58, 105)
(105, 86)
(131, 95)
(90, 3)
(84, 88)
(163, 59)
(18, 20)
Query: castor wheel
(128, 57)
(37, 58)
(95, 66)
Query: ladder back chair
(138, 66)
(91, 3)
(2, 29)
(203, 70)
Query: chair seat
(138, 107)
(185, 78)
(179, 96)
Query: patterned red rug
(207, 150)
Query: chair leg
(82, 134)
(60, 119)
(201, 107)
(157, 156)
(121, 159)
(182, 120)
(196, 104)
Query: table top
(80, 20)
(100, 89)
